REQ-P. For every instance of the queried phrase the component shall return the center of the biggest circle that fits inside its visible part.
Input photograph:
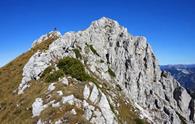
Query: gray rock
(94, 97)
(73, 112)
(60, 93)
(104, 114)
(156, 93)
(37, 107)
(64, 80)
(45, 37)
(56, 105)
(51, 87)
(88, 110)
(68, 99)
(33, 69)
(86, 92)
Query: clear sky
(169, 25)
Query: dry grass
(63, 111)
(10, 78)
(55, 114)
(75, 88)
(126, 113)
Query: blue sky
(169, 25)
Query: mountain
(185, 74)
(101, 75)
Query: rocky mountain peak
(104, 21)
(119, 60)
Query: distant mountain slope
(185, 74)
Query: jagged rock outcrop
(102, 113)
(117, 57)
(49, 35)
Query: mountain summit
(101, 75)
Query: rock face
(113, 55)
(33, 69)
(102, 115)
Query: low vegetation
(47, 71)
(77, 53)
(101, 61)
(111, 72)
(74, 68)
(54, 76)
(139, 121)
(92, 49)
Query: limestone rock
(60, 93)
(73, 112)
(68, 99)
(33, 69)
(86, 92)
(51, 87)
(105, 114)
(107, 45)
(56, 105)
(58, 122)
(64, 81)
(39, 121)
(37, 107)
(94, 97)
(50, 35)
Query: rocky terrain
(101, 75)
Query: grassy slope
(10, 78)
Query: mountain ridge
(116, 60)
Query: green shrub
(164, 74)
(52, 77)
(92, 49)
(118, 87)
(139, 121)
(77, 53)
(101, 61)
(111, 72)
(47, 71)
(73, 67)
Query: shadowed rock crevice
(192, 109)
(177, 95)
